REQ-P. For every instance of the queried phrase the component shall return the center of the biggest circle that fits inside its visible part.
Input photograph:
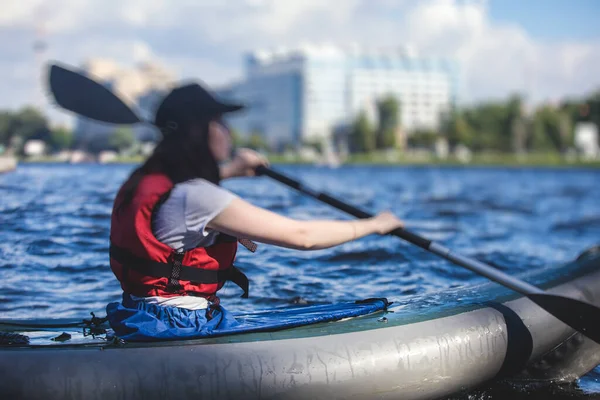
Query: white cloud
(206, 39)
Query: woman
(174, 229)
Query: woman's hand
(244, 163)
(387, 222)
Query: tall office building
(303, 94)
(140, 87)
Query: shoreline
(8, 164)
(479, 160)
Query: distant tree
(18, 127)
(565, 131)
(546, 130)
(514, 123)
(456, 129)
(236, 139)
(257, 142)
(593, 108)
(362, 135)
(121, 139)
(316, 144)
(388, 111)
(519, 134)
(96, 143)
(6, 121)
(60, 139)
(30, 123)
(422, 138)
(288, 146)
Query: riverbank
(7, 163)
(477, 160)
(404, 159)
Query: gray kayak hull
(382, 356)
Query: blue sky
(545, 50)
(551, 19)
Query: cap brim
(226, 108)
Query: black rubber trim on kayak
(519, 341)
(186, 273)
(13, 339)
(383, 300)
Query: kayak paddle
(579, 315)
(77, 93)
(80, 94)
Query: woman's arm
(243, 164)
(244, 220)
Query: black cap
(190, 100)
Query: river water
(56, 218)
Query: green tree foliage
(5, 127)
(502, 126)
(95, 144)
(514, 124)
(60, 139)
(121, 139)
(456, 129)
(388, 111)
(257, 142)
(22, 125)
(236, 139)
(423, 138)
(593, 102)
(362, 135)
(316, 144)
(552, 130)
(489, 122)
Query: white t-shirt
(181, 224)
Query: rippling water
(56, 218)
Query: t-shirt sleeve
(203, 202)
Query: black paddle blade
(579, 315)
(81, 95)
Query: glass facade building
(302, 94)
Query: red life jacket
(148, 267)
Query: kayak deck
(420, 348)
(409, 310)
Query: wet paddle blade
(579, 315)
(77, 93)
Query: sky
(544, 49)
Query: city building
(141, 87)
(586, 140)
(34, 148)
(303, 94)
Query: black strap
(239, 278)
(247, 243)
(176, 263)
(181, 273)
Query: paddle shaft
(428, 245)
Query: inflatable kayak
(420, 347)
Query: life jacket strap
(176, 263)
(247, 243)
(177, 271)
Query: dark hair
(181, 155)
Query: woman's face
(219, 140)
